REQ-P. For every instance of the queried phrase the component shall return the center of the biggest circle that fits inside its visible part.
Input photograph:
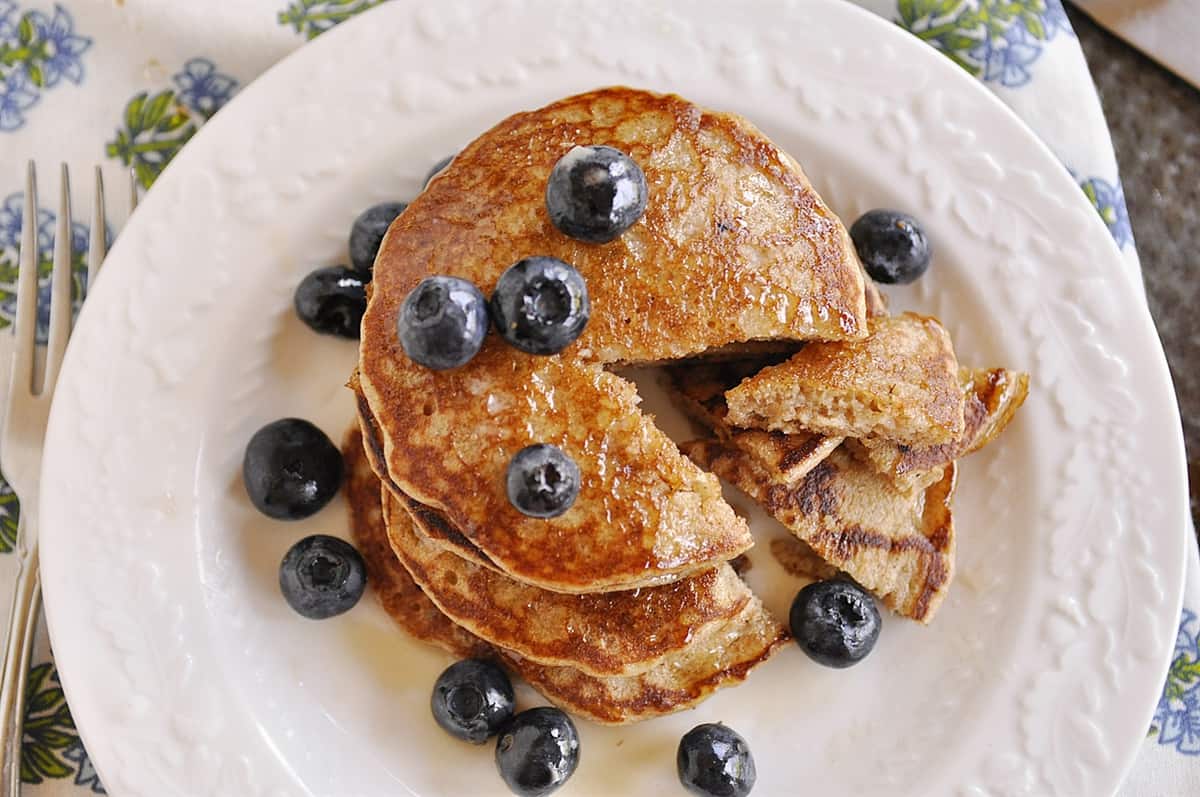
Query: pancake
(433, 529)
(734, 247)
(699, 389)
(877, 306)
(995, 395)
(900, 384)
(992, 397)
(800, 560)
(399, 594)
(898, 546)
(613, 633)
(722, 657)
(427, 522)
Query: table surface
(1155, 122)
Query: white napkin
(1166, 30)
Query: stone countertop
(1155, 122)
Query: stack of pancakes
(625, 606)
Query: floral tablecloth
(126, 83)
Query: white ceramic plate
(187, 673)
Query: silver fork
(26, 411)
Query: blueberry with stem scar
(540, 305)
(542, 481)
(595, 193)
(443, 322)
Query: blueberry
(442, 322)
(332, 301)
(835, 622)
(436, 170)
(715, 761)
(892, 246)
(540, 305)
(537, 752)
(322, 576)
(472, 700)
(367, 233)
(291, 469)
(595, 193)
(542, 481)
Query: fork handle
(17, 724)
(18, 647)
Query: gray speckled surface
(1155, 122)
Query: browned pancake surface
(898, 546)
(877, 305)
(800, 560)
(399, 594)
(699, 389)
(900, 384)
(717, 659)
(992, 397)
(734, 246)
(612, 633)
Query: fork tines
(60, 287)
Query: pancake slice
(877, 305)
(898, 546)
(992, 398)
(900, 384)
(399, 594)
(721, 657)
(734, 248)
(432, 528)
(615, 633)
(699, 389)
(800, 560)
